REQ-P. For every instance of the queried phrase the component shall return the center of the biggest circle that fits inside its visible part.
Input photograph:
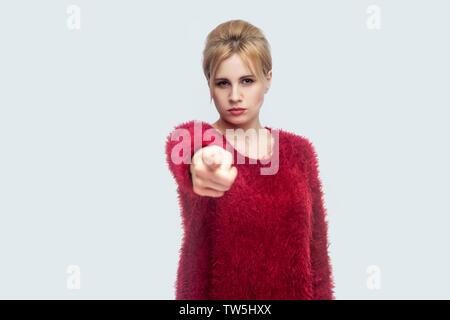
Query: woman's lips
(236, 111)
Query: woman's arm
(192, 276)
(323, 283)
(180, 149)
(179, 152)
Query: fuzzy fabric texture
(265, 238)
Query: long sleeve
(323, 283)
(180, 148)
(193, 271)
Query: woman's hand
(211, 171)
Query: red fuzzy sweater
(266, 237)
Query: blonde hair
(241, 37)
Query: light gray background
(84, 115)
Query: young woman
(252, 229)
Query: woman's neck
(244, 142)
(222, 126)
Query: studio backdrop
(89, 91)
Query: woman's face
(236, 87)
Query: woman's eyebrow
(246, 76)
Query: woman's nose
(235, 93)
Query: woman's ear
(268, 81)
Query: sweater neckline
(270, 158)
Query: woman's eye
(225, 82)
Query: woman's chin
(236, 120)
